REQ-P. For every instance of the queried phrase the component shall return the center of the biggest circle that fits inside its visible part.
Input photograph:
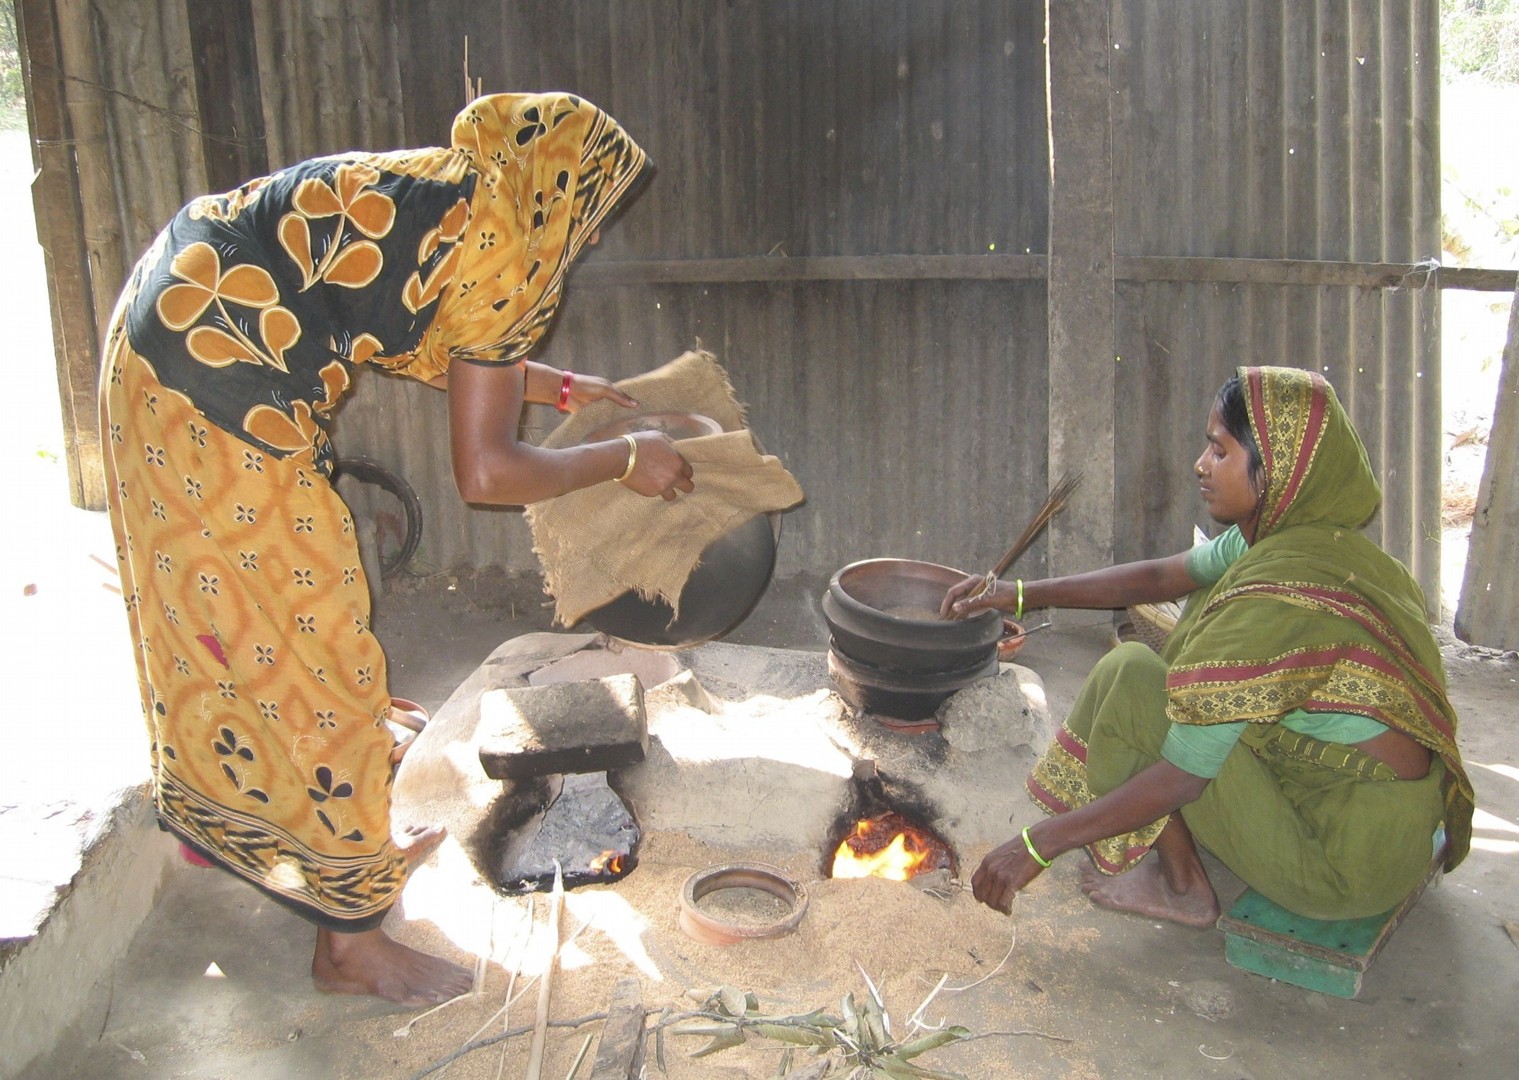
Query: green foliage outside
(12, 99)
(1481, 38)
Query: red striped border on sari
(1401, 665)
(1313, 431)
(1053, 804)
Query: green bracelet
(1019, 613)
(1028, 843)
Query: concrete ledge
(46, 980)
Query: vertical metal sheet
(155, 139)
(1302, 130)
(913, 413)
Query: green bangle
(1028, 843)
(1019, 614)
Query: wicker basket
(1153, 623)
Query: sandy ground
(215, 983)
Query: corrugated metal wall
(911, 411)
(905, 380)
(1278, 129)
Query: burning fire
(609, 862)
(888, 846)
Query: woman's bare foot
(370, 962)
(1145, 890)
(417, 842)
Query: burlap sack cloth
(597, 543)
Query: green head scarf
(1314, 615)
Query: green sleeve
(1200, 749)
(1206, 563)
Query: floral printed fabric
(256, 305)
(264, 691)
(263, 688)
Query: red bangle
(563, 405)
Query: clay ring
(702, 927)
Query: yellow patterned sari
(242, 327)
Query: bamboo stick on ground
(545, 984)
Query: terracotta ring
(702, 927)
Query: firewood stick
(541, 1025)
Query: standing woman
(237, 335)
(1296, 723)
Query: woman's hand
(659, 468)
(585, 389)
(1147, 582)
(1002, 873)
(961, 600)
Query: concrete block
(580, 727)
(681, 690)
(49, 979)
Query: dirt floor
(215, 984)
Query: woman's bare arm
(1147, 796)
(1148, 582)
(493, 467)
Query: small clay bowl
(1013, 638)
(710, 930)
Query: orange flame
(608, 861)
(863, 854)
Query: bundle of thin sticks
(1059, 495)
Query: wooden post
(1081, 295)
(84, 96)
(1488, 613)
(60, 231)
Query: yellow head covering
(551, 167)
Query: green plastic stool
(1329, 956)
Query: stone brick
(579, 727)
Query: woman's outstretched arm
(1148, 796)
(1148, 582)
(493, 467)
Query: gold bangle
(632, 457)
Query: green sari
(1313, 616)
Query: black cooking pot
(732, 575)
(884, 613)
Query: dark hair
(1233, 411)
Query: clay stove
(883, 832)
(749, 754)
